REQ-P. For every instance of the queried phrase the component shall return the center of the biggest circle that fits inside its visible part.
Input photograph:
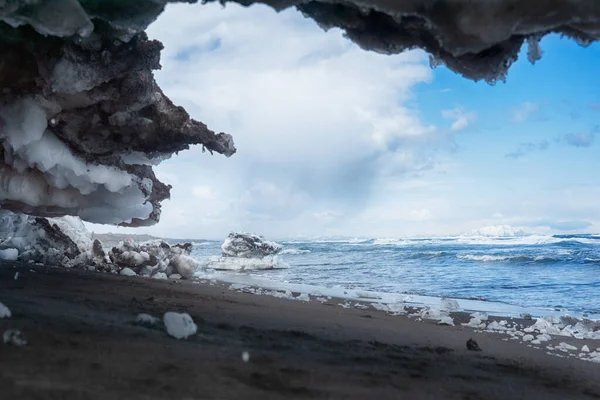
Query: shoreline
(83, 344)
(492, 307)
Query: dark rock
(473, 345)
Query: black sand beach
(83, 344)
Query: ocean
(559, 273)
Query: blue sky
(333, 140)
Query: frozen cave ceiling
(82, 120)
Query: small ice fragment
(128, 272)
(503, 322)
(9, 254)
(446, 320)
(566, 346)
(16, 275)
(159, 275)
(14, 337)
(179, 325)
(175, 277)
(303, 297)
(585, 349)
(146, 319)
(481, 315)
(495, 326)
(449, 305)
(4, 311)
(528, 330)
(527, 338)
(245, 356)
(536, 341)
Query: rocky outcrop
(82, 120)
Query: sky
(336, 141)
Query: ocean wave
(390, 242)
(200, 243)
(428, 254)
(493, 258)
(295, 252)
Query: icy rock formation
(477, 39)
(65, 241)
(42, 240)
(82, 120)
(248, 245)
(153, 258)
(246, 251)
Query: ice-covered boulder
(248, 245)
(154, 257)
(247, 251)
(44, 240)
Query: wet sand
(83, 344)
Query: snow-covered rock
(179, 325)
(248, 245)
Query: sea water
(560, 272)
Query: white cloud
(316, 120)
(524, 111)
(461, 118)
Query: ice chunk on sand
(184, 265)
(446, 320)
(146, 319)
(160, 275)
(430, 313)
(303, 297)
(4, 311)
(14, 337)
(585, 349)
(566, 346)
(449, 305)
(245, 356)
(179, 325)
(495, 326)
(128, 272)
(527, 338)
(9, 254)
(480, 315)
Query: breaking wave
(493, 258)
(295, 252)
